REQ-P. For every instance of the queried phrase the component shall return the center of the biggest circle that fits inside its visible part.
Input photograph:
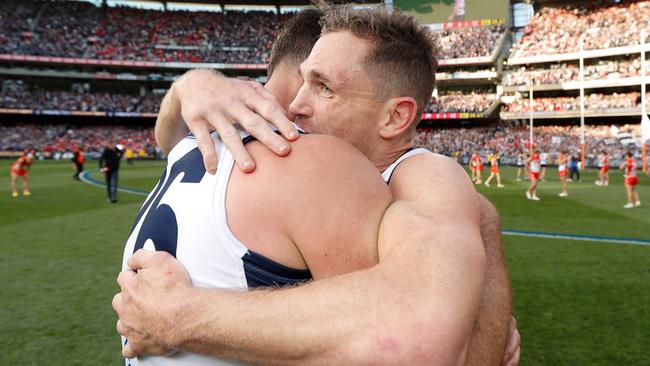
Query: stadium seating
(555, 30)
(459, 102)
(51, 138)
(81, 30)
(508, 141)
(469, 41)
(559, 73)
(595, 101)
(47, 99)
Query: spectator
(556, 30)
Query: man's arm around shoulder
(433, 229)
(170, 127)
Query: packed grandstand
(81, 62)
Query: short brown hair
(296, 39)
(401, 47)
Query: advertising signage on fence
(430, 116)
(144, 64)
(425, 116)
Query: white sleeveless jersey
(185, 215)
(388, 172)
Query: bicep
(433, 229)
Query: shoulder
(429, 168)
(314, 155)
(435, 183)
(325, 196)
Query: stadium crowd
(53, 138)
(567, 104)
(457, 102)
(559, 73)
(82, 30)
(509, 141)
(49, 99)
(469, 41)
(556, 30)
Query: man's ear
(402, 112)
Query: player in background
(534, 167)
(494, 170)
(629, 171)
(78, 161)
(562, 172)
(20, 168)
(543, 159)
(520, 165)
(129, 154)
(476, 165)
(603, 172)
(574, 169)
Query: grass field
(577, 302)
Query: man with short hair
(434, 224)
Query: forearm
(170, 127)
(323, 322)
(490, 334)
(397, 312)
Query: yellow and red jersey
(21, 165)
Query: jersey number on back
(160, 223)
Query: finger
(140, 259)
(258, 127)
(121, 328)
(268, 95)
(514, 360)
(117, 302)
(124, 278)
(128, 351)
(514, 347)
(267, 106)
(201, 130)
(233, 141)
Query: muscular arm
(417, 306)
(170, 127)
(491, 330)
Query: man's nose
(300, 106)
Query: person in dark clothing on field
(78, 160)
(573, 169)
(109, 163)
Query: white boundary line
(85, 177)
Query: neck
(387, 155)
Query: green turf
(578, 303)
